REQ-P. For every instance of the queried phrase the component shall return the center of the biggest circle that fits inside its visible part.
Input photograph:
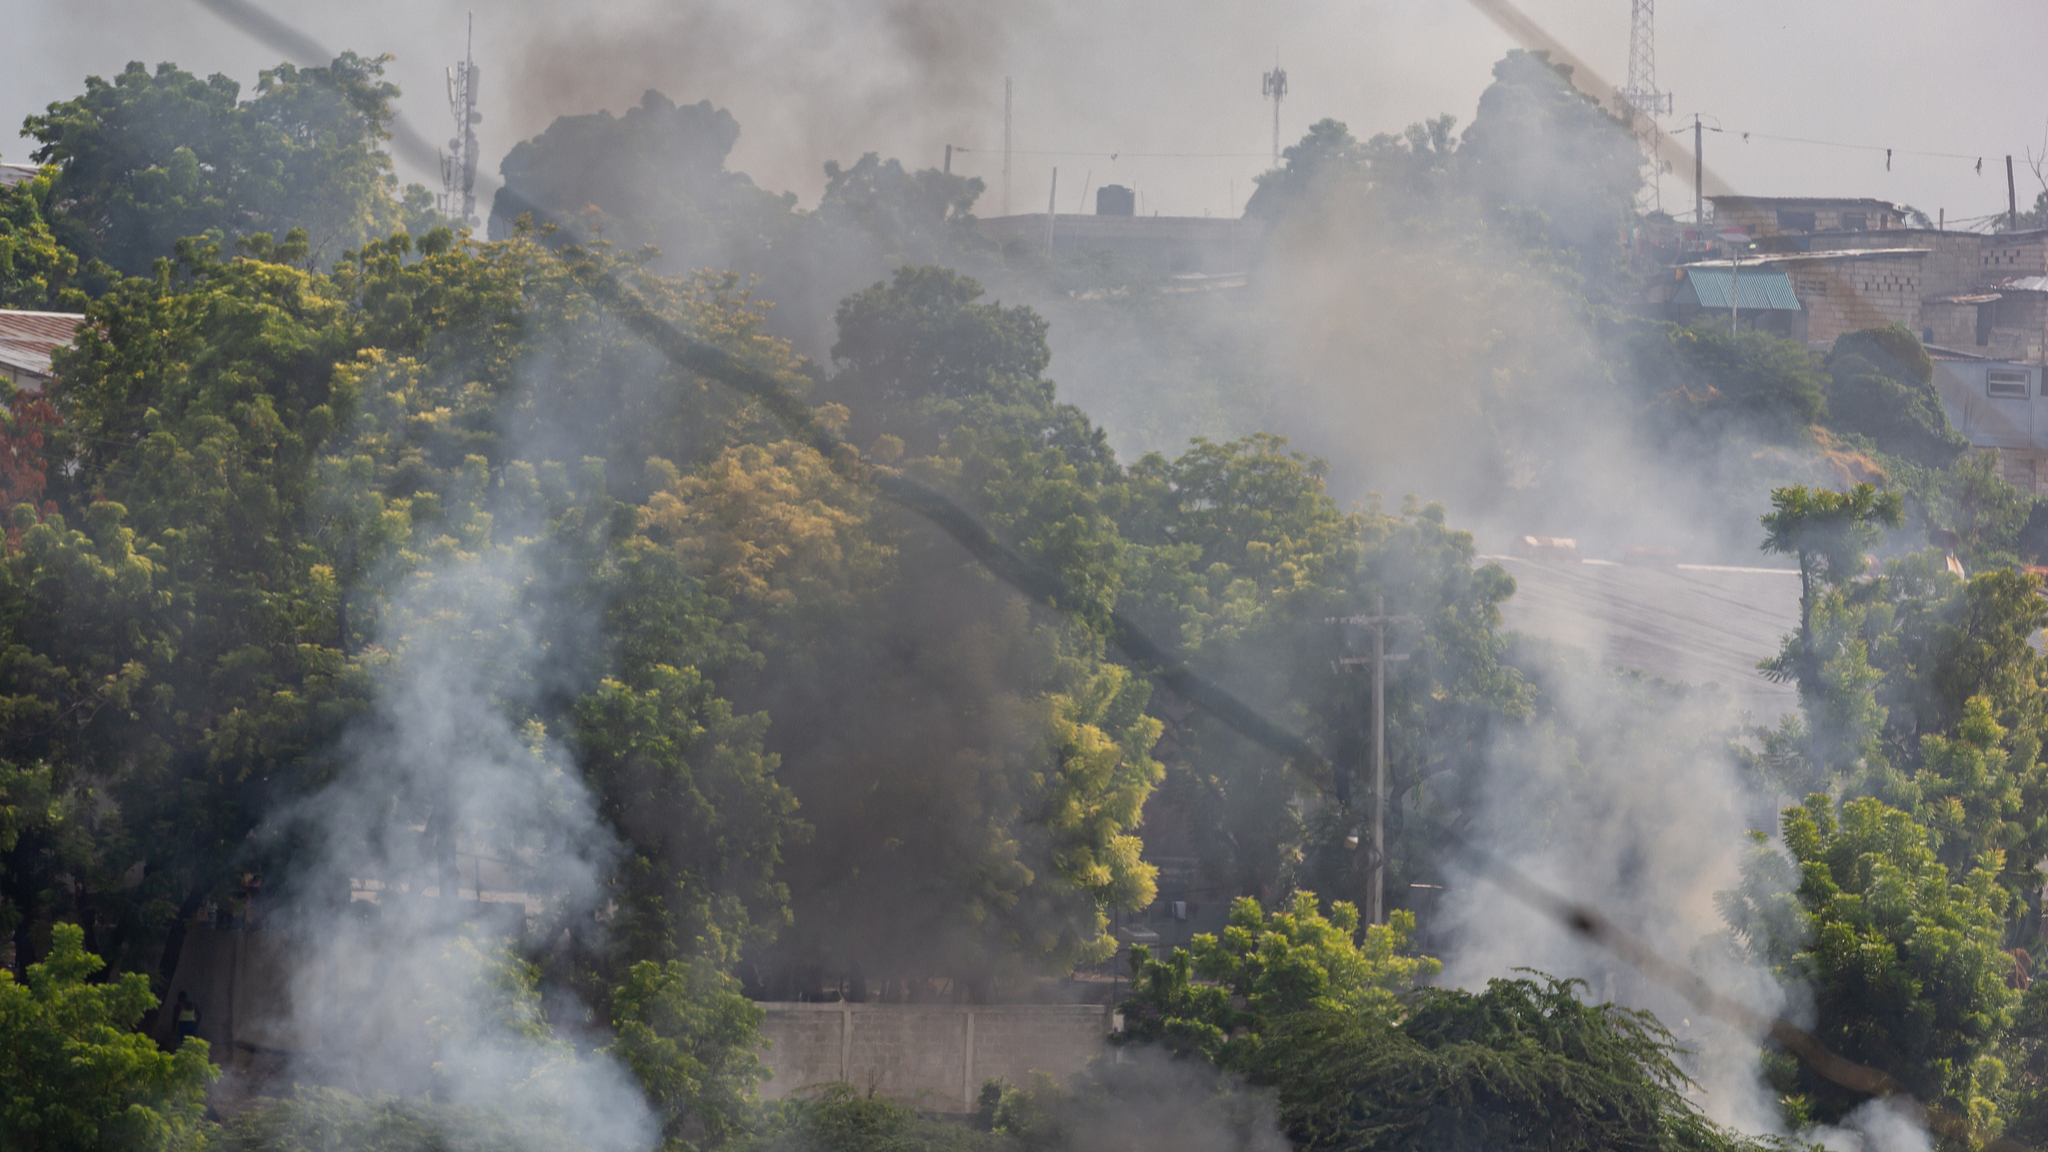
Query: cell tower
(1275, 87)
(458, 164)
(1645, 103)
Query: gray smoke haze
(1633, 804)
(450, 821)
(1138, 76)
(1368, 361)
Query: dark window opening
(1983, 325)
(1853, 221)
(1796, 221)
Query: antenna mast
(1006, 145)
(1275, 86)
(1641, 97)
(458, 164)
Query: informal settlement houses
(1813, 269)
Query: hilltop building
(1762, 216)
(1193, 247)
(1815, 269)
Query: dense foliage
(74, 1073)
(147, 159)
(349, 559)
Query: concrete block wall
(929, 1056)
(1953, 325)
(1845, 295)
(2025, 254)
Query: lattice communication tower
(1645, 103)
(458, 163)
(1275, 87)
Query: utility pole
(1275, 86)
(2012, 200)
(1376, 903)
(1699, 175)
(949, 159)
(1052, 205)
(458, 164)
(1006, 145)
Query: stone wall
(929, 1056)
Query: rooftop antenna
(1275, 87)
(1640, 96)
(458, 164)
(1006, 145)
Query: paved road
(1696, 623)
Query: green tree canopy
(149, 158)
(75, 1075)
(1901, 958)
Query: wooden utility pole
(2012, 200)
(1376, 903)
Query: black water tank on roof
(1115, 200)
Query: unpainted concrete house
(1979, 302)
(1762, 216)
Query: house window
(1795, 221)
(2006, 383)
(1852, 221)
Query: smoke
(453, 820)
(1629, 799)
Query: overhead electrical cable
(1049, 587)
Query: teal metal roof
(1760, 289)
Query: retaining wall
(929, 1056)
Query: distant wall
(930, 1056)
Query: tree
(1902, 958)
(1881, 385)
(1703, 384)
(655, 175)
(152, 158)
(1324, 158)
(75, 1075)
(1538, 143)
(1276, 965)
(1829, 532)
(686, 1032)
(36, 271)
(907, 213)
(1524, 1064)
(920, 355)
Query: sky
(1170, 87)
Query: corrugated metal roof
(28, 338)
(2024, 284)
(12, 174)
(1757, 290)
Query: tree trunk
(174, 941)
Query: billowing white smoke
(1642, 816)
(452, 821)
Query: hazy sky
(812, 81)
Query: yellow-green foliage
(1268, 966)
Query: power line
(1747, 135)
(1128, 155)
